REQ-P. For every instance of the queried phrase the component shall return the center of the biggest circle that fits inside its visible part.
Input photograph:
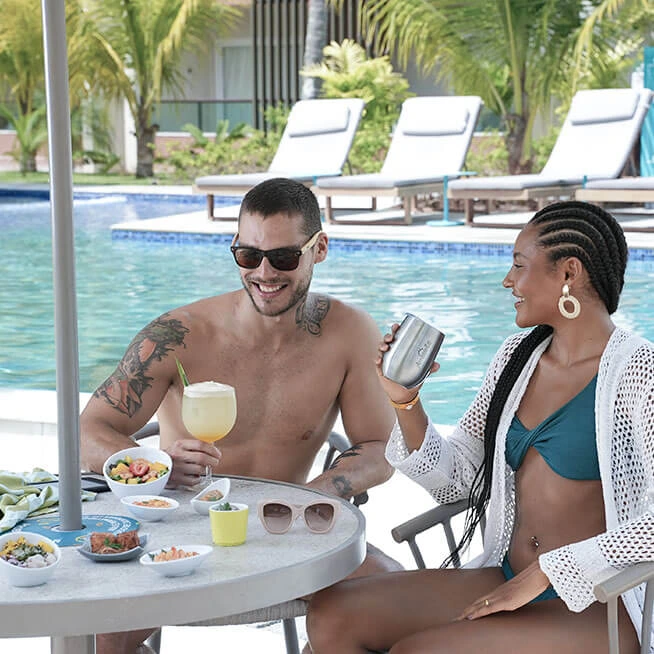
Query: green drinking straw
(182, 373)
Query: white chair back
(317, 138)
(432, 136)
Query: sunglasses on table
(278, 516)
(279, 258)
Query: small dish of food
(137, 471)
(27, 559)
(176, 560)
(215, 492)
(105, 547)
(149, 507)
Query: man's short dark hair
(282, 195)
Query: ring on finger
(486, 602)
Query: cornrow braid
(585, 231)
(565, 229)
(481, 485)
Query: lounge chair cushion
(419, 119)
(374, 181)
(512, 182)
(245, 181)
(311, 120)
(624, 183)
(605, 105)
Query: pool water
(123, 284)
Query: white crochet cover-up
(624, 420)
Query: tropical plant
(347, 72)
(516, 54)
(31, 134)
(135, 48)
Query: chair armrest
(436, 516)
(624, 580)
(150, 429)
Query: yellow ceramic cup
(229, 527)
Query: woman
(557, 449)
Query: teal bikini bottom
(547, 594)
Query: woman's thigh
(539, 628)
(375, 612)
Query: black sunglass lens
(284, 259)
(248, 257)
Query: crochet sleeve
(575, 569)
(446, 467)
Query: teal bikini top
(566, 439)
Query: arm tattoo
(353, 451)
(343, 486)
(124, 389)
(312, 312)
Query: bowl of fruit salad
(137, 471)
(27, 559)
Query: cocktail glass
(209, 413)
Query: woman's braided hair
(565, 229)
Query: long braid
(481, 485)
(565, 229)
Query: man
(295, 359)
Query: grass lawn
(11, 177)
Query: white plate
(179, 567)
(85, 550)
(149, 513)
(202, 506)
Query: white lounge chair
(595, 142)
(315, 142)
(428, 148)
(623, 189)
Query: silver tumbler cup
(411, 354)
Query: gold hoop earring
(566, 297)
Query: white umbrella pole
(63, 257)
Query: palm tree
(315, 41)
(135, 50)
(630, 21)
(515, 54)
(21, 70)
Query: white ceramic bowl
(179, 567)
(17, 576)
(151, 454)
(202, 506)
(149, 513)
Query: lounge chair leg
(329, 216)
(210, 206)
(373, 204)
(407, 210)
(469, 205)
(290, 636)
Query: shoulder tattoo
(310, 314)
(353, 451)
(124, 389)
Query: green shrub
(240, 150)
(346, 72)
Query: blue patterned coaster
(48, 525)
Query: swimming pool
(123, 284)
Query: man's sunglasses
(278, 516)
(280, 258)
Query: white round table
(84, 597)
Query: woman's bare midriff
(551, 511)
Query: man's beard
(298, 296)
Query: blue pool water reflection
(124, 284)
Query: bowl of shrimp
(176, 560)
